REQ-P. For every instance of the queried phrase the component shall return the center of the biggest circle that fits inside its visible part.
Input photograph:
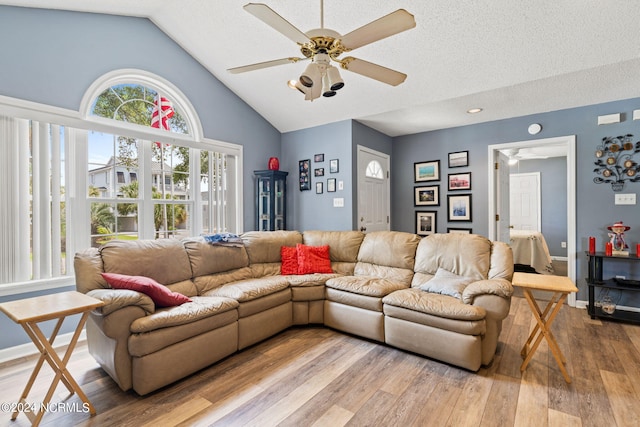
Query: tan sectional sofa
(238, 298)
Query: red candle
(592, 245)
(608, 249)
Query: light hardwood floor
(317, 376)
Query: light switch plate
(338, 202)
(625, 199)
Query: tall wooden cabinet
(271, 200)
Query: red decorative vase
(274, 164)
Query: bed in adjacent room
(530, 252)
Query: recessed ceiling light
(474, 110)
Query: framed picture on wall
(459, 181)
(319, 187)
(427, 171)
(427, 196)
(318, 158)
(303, 173)
(425, 223)
(333, 166)
(459, 230)
(318, 172)
(458, 159)
(331, 185)
(459, 207)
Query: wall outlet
(563, 245)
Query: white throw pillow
(446, 283)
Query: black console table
(594, 280)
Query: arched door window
(374, 170)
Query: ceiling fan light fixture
(335, 80)
(295, 84)
(311, 75)
(327, 89)
(474, 110)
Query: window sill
(8, 289)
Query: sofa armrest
(499, 287)
(116, 299)
(494, 295)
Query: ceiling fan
(323, 45)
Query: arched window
(188, 196)
(374, 170)
(141, 105)
(135, 165)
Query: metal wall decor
(615, 163)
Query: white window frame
(78, 123)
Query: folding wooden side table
(561, 287)
(28, 313)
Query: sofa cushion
(208, 259)
(198, 308)
(164, 260)
(161, 295)
(369, 286)
(308, 280)
(250, 289)
(446, 283)
(343, 245)
(264, 246)
(289, 256)
(467, 255)
(389, 248)
(434, 304)
(313, 259)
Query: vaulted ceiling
(510, 58)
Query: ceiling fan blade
(277, 22)
(265, 64)
(373, 71)
(393, 23)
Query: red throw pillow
(289, 257)
(160, 294)
(313, 259)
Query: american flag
(162, 112)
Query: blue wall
(594, 202)
(306, 209)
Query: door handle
(363, 229)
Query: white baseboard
(560, 258)
(25, 350)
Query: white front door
(524, 208)
(373, 190)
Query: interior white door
(502, 198)
(373, 190)
(524, 193)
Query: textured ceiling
(509, 57)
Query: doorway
(373, 190)
(498, 193)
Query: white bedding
(530, 248)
